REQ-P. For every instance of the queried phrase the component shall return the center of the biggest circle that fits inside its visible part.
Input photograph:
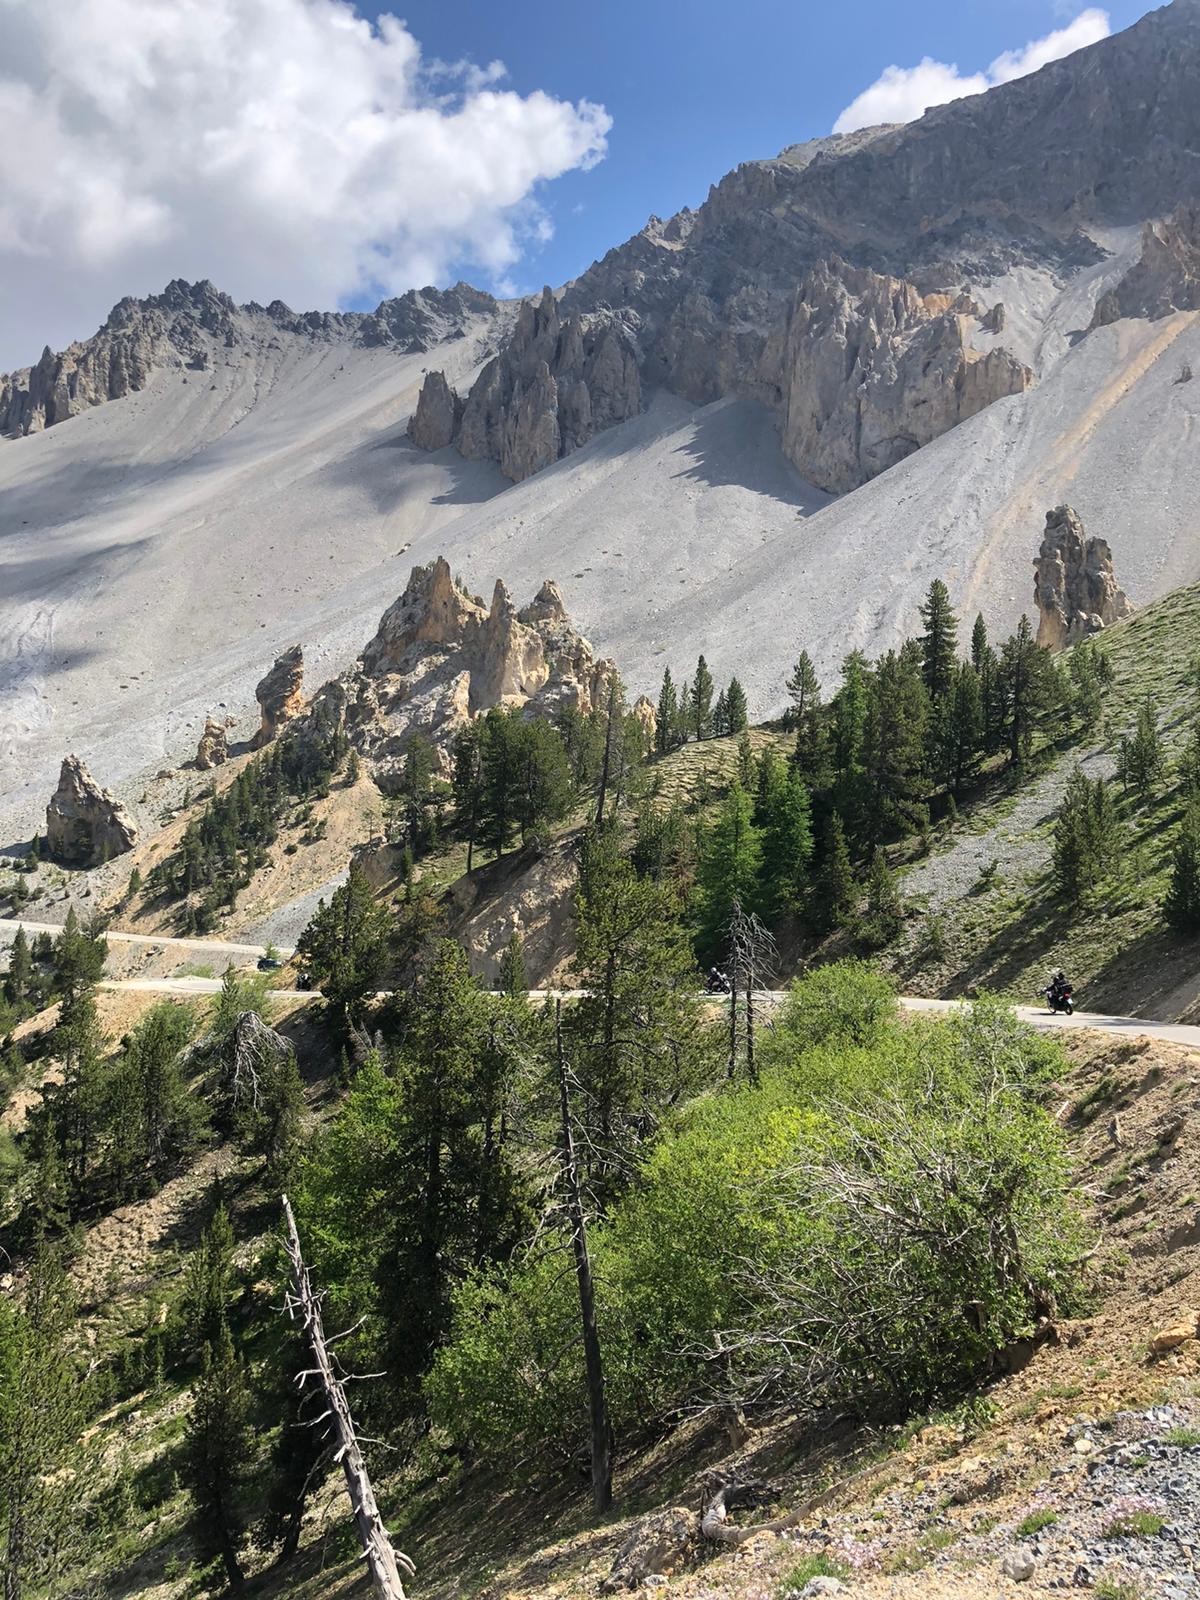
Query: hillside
(160, 548)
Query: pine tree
(1181, 906)
(345, 946)
(683, 716)
(721, 716)
(513, 979)
(19, 979)
(980, 649)
(728, 869)
(215, 1451)
(208, 1282)
(1143, 759)
(1024, 677)
(737, 714)
(668, 715)
(1087, 837)
(467, 785)
(1083, 667)
(1188, 766)
(847, 733)
(884, 914)
(701, 701)
(804, 687)
(167, 1118)
(636, 1035)
(894, 747)
(964, 730)
(43, 1536)
(787, 840)
(835, 892)
(939, 642)
(747, 766)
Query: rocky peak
(85, 825)
(1075, 587)
(213, 748)
(436, 420)
(555, 384)
(440, 658)
(280, 695)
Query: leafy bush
(849, 1003)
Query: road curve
(1099, 1022)
(185, 986)
(9, 926)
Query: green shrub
(1036, 1521)
(849, 1003)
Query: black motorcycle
(716, 982)
(1060, 997)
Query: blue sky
(694, 88)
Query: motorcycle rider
(1059, 987)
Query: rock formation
(85, 825)
(435, 422)
(441, 657)
(213, 749)
(190, 326)
(555, 384)
(1166, 276)
(1075, 589)
(870, 370)
(280, 695)
(646, 713)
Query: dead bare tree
(384, 1561)
(753, 957)
(592, 1355)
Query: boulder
(280, 695)
(1075, 588)
(434, 423)
(85, 825)
(1180, 1332)
(213, 749)
(657, 1546)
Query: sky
(327, 153)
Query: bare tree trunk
(592, 1358)
(383, 1560)
(751, 1071)
(733, 1028)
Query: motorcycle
(1060, 997)
(716, 982)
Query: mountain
(762, 426)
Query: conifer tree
(345, 946)
(1024, 677)
(683, 716)
(728, 868)
(939, 642)
(962, 745)
(209, 1282)
(215, 1451)
(513, 979)
(1189, 763)
(19, 979)
(1084, 671)
(1087, 837)
(701, 701)
(467, 785)
(737, 714)
(894, 747)
(787, 840)
(166, 1115)
(668, 715)
(1182, 904)
(980, 649)
(884, 914)
(835, 893)
(42, 1465)
(1143, 760)
(804, 687)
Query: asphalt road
(9, 926)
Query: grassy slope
(1006, 933)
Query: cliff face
(552, 387)
(869, 370)
(1166, 276)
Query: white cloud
(279, 147)
(901, 94)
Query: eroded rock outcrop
(870, 370)
(1075, 588)
(1166, 276)
(441, 657)
(178, 328)
(85, 825)
(646, 713)
(213, 748)
(435, 422)
(280, 695)
(555, 384)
